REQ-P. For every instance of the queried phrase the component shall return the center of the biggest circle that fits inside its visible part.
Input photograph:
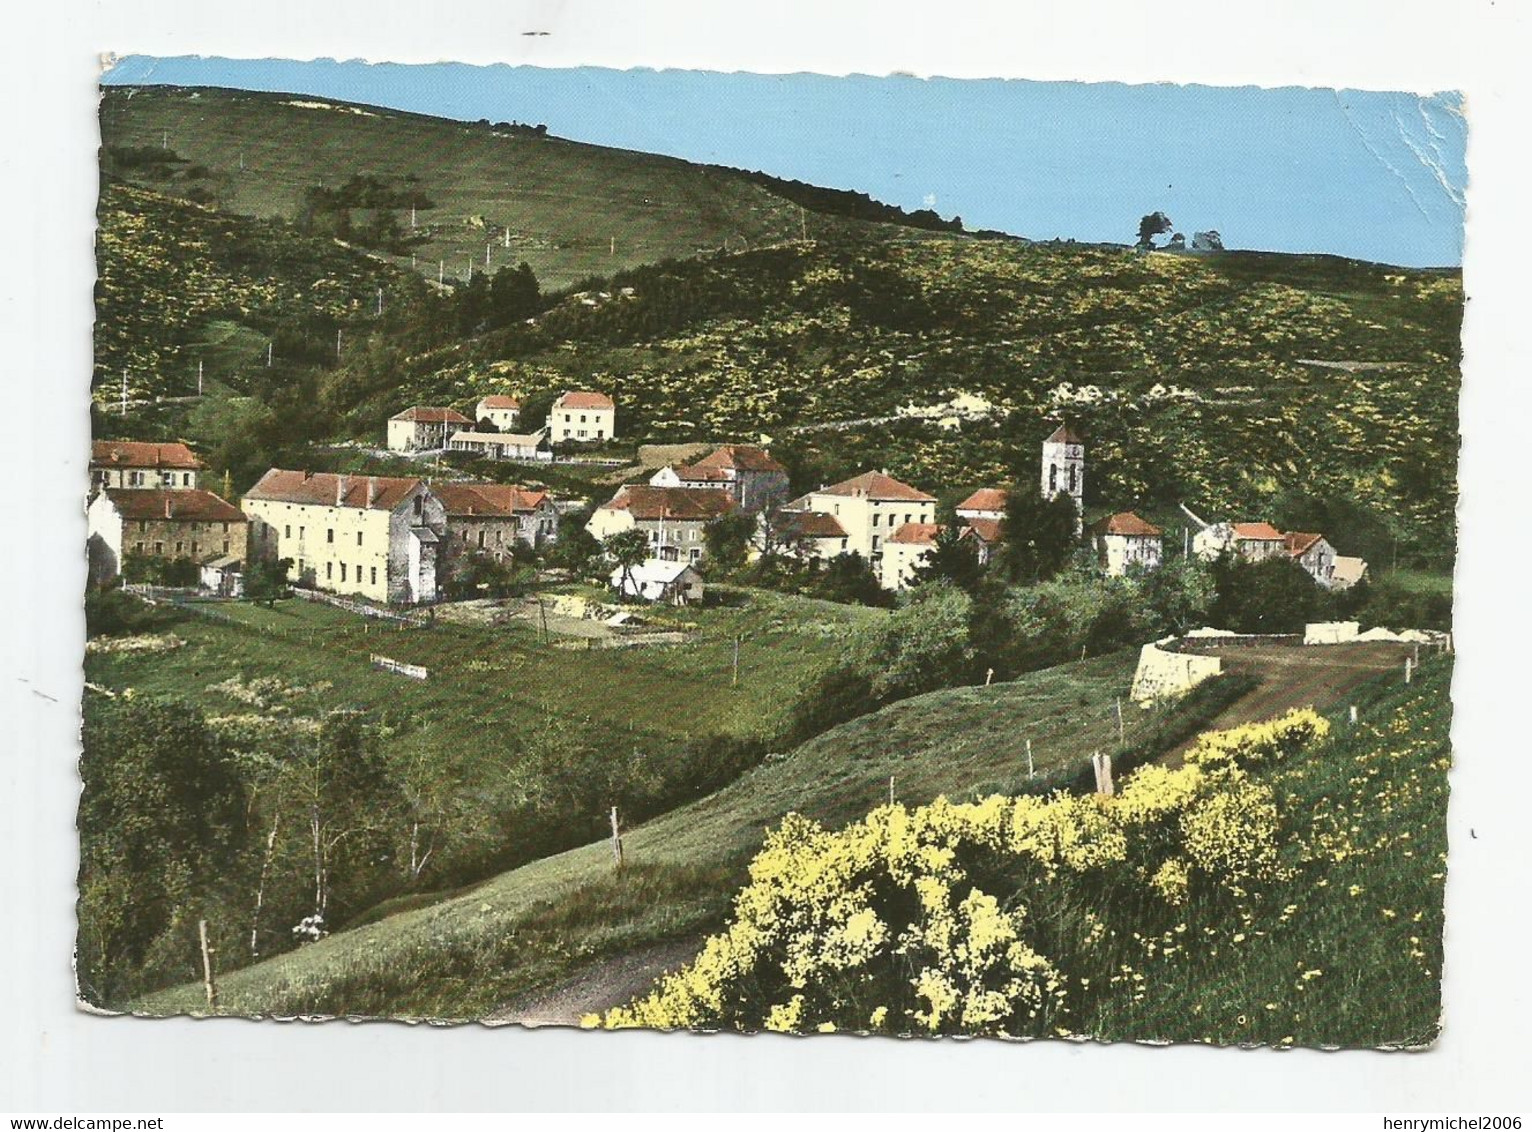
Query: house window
(138, 548)
(582, 434)
(329, 534)
(159, 549)
(178, 549)
(329, 571)
(226, 528)
(137, 479)
(226, 546)
(194, 550)
(186, 479)
(374, 575)
(343, 571)
(1073, 470)
(582, 421)
(481, 540)
(358, 538)
(1053, 478)
(143, 524)
(287, 530)
(417, 506)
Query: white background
(54, 1059)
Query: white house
(904, 552)
(677, 583)
(374, 536)
(499, 410)
(674, 518)
(582, 417)
(799, 534)
(870, 507)
(1124, 540)
(424, 427)
(747, 472)
(502, 445)
(986, 503)
(1254, 542)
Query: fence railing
(389, 664)
(361, 608)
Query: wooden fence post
(207, 966)
(1031, 770)
(1353, 715)
(1119, 724)
(616, 840)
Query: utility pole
(487, 246)
(380, 302)
(735, 682)
(1119, 721)
(125, 391)
(441, 271)
(199, 377)
(337, 343)
(1031, 770)
(268, 355)
(616, 840)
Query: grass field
(488, 682)
(264, 150)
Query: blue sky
(1377, 176)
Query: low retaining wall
(1165, 672)
(1331, 632)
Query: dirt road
(613, 983)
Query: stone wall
(1165, 672)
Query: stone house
(747, 472)
(1314, 553)
(870, 507)
(424, 427)
(1124, 541)
(674, 518)
(904, 552)
(127, 464)
(160, 523)
(378, 537)
(582, 417)
(676, 583)
(491, 518)
(499, 410)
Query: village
(392, 540)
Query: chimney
(167, 505)
(372, 490)
(340, 490)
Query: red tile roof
(808, 524)
(985, 499)
(741, 457)
(878, 485)
(498, 401)
(430, 414)
(327, 489)
(985, 530)
(492, 500)
(1299, 542)
(143, 454)
(696, 472)
(1258, 532)
(581, 400)
(1063, 435)
(184, 506)
(916, 534)
(645, 502)
(1125, 523)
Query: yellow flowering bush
(989, 917)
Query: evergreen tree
(1037, 536)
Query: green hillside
(564, 203)
(529, 927)
(1317, 392)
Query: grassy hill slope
(535, 925)
(564, 203)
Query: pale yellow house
(582, 418)
(377, 537)
(142, 464)
(1124, 541)
(904, 552)
(499, 410)
(869, 507)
